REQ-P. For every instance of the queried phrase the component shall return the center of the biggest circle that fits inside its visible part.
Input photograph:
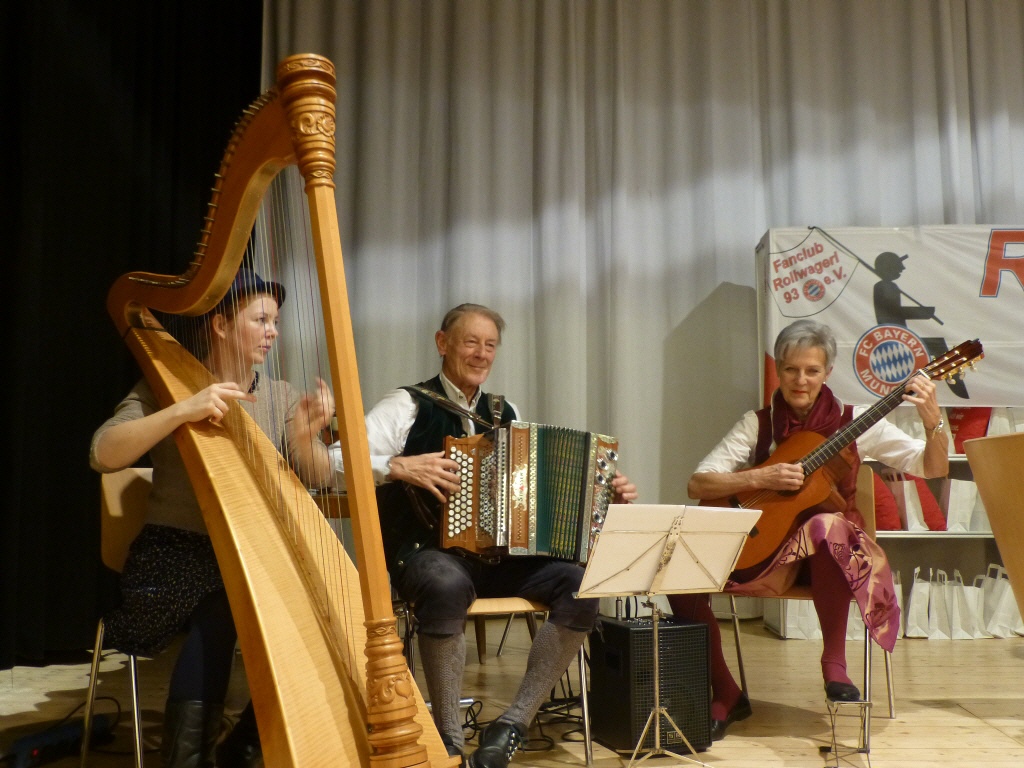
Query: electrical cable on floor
(60, 739)
(555, 711)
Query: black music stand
(650, 549)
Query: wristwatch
(387, 467)
(938, 427)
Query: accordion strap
(448, 405)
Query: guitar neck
(828, 450)
(945, 366)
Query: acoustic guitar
(825, 462)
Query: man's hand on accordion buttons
(624, 490)
(431, 471)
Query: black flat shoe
(741, 710)
(498, 742)
(842, 692)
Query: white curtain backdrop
(600, 172)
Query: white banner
(897, 298)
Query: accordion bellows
(529, 489)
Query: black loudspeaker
(622, 683)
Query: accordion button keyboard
(461, 502)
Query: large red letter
(997, 260)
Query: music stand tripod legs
(651, 549)
(658, 711)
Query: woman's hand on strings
(777, 477)
(125, 443)
(316, 408)
(431, 471)
(213, 402)
(920, 390)
(313, 413)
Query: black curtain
(115, 117)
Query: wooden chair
(997, 463)
(866, 505)
(122, 513)
(511, 607)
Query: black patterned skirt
(167, 573)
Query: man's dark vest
(409, 516)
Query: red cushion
(887, 516)
(967, 423)
(930, 509)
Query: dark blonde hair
(454, 315)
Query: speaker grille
(622, 683)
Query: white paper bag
(979, 518)
(802, 620)
(898, 584)
(976, 599)
(855, 623)
(963, 620)
(958, 501)
(1002, 616)
(1000, 422)
(916, 624)
(938, 608)
(908, 503)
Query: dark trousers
(203, 668)
(441, 585)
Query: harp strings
(282, 251)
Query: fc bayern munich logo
(814, 290)
(885, 356)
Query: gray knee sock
(553, 650)
(444, 658)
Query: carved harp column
(319, 639)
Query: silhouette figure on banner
(890, 310)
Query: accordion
(529, 489)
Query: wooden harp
(319, 640)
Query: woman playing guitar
(822, 537)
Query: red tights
(831, 596)
(725, 692)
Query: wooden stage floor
(958, 703)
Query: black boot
(498, 742)
(191, 729)
(241, 747)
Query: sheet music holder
(651, 549)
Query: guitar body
(783, 512)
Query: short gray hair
(455, 314)
(806, 334)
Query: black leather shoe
(835, 691)
(498, 742)
(741, 710)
